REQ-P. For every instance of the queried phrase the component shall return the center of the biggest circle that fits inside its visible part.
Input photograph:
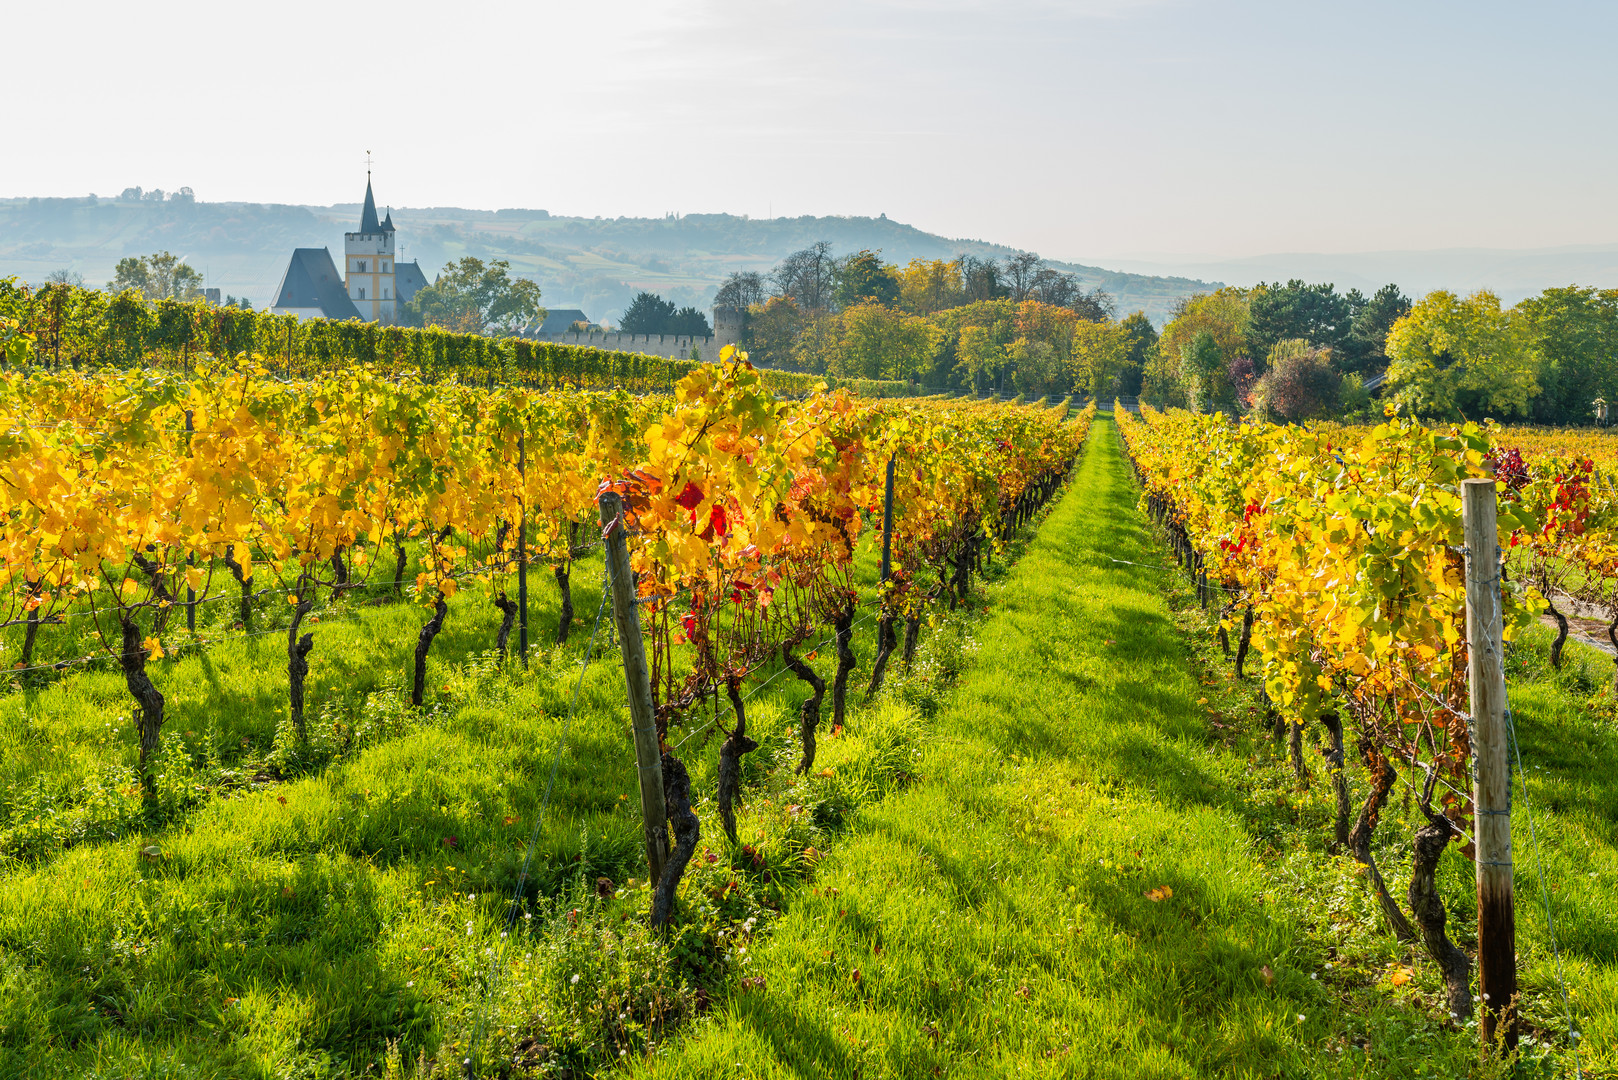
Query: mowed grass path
(994, 919)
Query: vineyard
(1335, 559)
(74, 327)
(323, 754)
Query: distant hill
(597, 264)
(1512, 273)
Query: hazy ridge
(592, 263)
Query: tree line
(1299, 351)
(980, 324)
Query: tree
(1063, 290)
(1099, 350)
(1453, 358)
(1142, 345)
(647, 314)
(1161, 384)
(772, 330)
(156, 277)
(1368, 335)
(1020, 272)
(688, 322)
(883, 343)
(807, 277)
(977, 353)
(1203, 366)
(1034, 368)
(1223, 315)
(1573, 336)
(1314, 313)
(863, 278)
(1301, 384)
(741, 290)
(980, 279)
(819, 339)
(472, 298)
(930, 285)
(65, 276)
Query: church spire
(368, 221)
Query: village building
(372, 286)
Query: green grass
(322, 910)
(996, 917)
(960, 889)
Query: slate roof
(312, 281)
(408, 280)
(368, 221)
(561, 320)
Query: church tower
(368, 268)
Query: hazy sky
(1077, 129)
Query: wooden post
(648, 754)
(522, 554)
(887, 525)
(190, 559)
(1491, 764)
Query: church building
(373, 284)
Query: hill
(592, 263)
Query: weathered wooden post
(1491, 764)
(887, 523)
(191, 558)
(522, 553)
(886, 639)
(637, 679)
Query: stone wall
(677, 346)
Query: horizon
(1139, 256)
(1101, 129)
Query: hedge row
(81, 327)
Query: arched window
(362, 294)
(362, 266)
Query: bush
(1301, 384)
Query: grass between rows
(338, 908)
(1104, 870)
(1070, 865)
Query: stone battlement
(676, 346)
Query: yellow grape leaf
(1162, 892)
(193, 578)
(1401, 976)
(154, 646)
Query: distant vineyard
(79, 328)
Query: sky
(1083, 130)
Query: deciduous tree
(1454, 357)
(474, 298)
(157, 277)
(863, 278)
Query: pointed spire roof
(387, 222)
(368, 222)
